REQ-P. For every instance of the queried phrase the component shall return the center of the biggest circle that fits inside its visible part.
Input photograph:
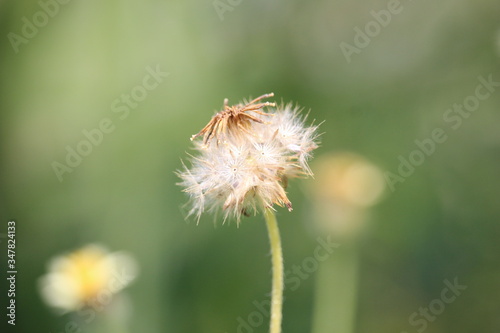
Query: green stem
(277, 260)
(335, 296)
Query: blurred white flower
(85, 277)
(246, 158)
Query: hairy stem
(277, 261)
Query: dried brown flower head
(235, 118)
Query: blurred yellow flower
(346, 186)
(88, 276)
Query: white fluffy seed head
(249, 169)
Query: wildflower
(85, 276)
(347, 186)
(246, 158)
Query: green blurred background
(442, 222)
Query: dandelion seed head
(246, 157)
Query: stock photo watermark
(293, 279)
(11, 272)
(420, 319)
(223, 6)
(363, 37)
(453, 117)
(31, 26)
(121, 106)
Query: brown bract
(232, 118)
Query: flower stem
(336, 292)
(277, 261)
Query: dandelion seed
(246, 157)
(243, 165)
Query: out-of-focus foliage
(72, 74)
